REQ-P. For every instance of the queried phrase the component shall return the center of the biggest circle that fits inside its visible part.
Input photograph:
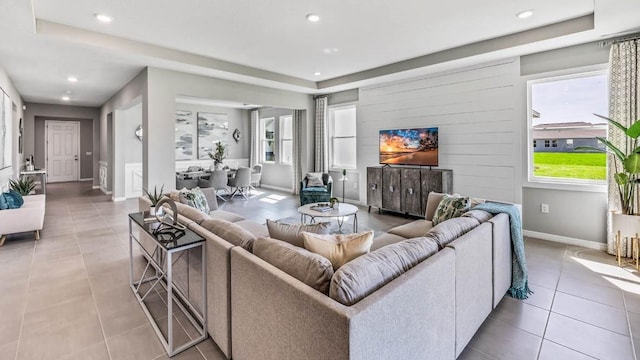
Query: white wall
(476, 110)
(276, 174)
(7, 86)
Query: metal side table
(160, 257)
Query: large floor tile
(553, 351)
(526, 317)
(542, 297)
(138, 343)
(602, 294)
(588, 339)
(591, 312)
(470, 353)
(503, 341)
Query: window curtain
(254, 154)
(624, 105)
(321, 136)
(297, 123)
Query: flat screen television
(418, 146)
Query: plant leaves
(632, 163)
(634, 130)
(621, 178)
(614, 123)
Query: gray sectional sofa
(422, 291)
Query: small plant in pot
(23, 186)
(218, 155)
(154, 198)
(334, 202)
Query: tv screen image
(417, 146)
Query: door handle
(75, 157)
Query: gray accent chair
(256, 176)
(241, 182)
(219, 180)
(183, 182)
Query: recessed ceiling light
(72, 79)
(524, 14)
(66, 98)
(313, 17)
(103, 18)
(317, 73)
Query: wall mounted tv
(418, 146)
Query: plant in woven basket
(23, 186)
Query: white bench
(29, 217)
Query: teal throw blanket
(519, 282)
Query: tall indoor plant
(627, 164)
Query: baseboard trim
(104, 191)
(115, 199)
(565, 240)
(275, 188)
(87, 179)
(95, 187)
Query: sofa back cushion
(312, 269)
(479, 215)
(433, 199)
(339, 249)
(292, 233)
(231, 232)
(191, 213)
(447, 231)
(366, 274)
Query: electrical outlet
(544, 208)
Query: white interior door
(63, 138)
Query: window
(534, 143)
(286, 139)
(561, 113)
(268, 132)
(342, 137)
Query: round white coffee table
(340, 212)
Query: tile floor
(66, 296)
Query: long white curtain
(321, 136)
(298, 122)
(624, 106)
(254, 154)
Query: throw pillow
(450, 206)
(292, 233)
(314, 179)
(196, 199)
(312, 269)
(11, 200)
(339, 249)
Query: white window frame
(264, 140)
(284, 139)
(551, 183)
(330, 113)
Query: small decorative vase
(152, 211)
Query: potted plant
(218, 155)
(154, 198)
(23, 186)
(333, 202)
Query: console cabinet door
(440, 181)
(410, 185)
(374, 187)
(391, 192)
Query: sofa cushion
(230, 232)
(292, 233)
(225, 215)
(339, 249)
(191, 213)
(479, 215)
(386, 239)
(413, 229)
(11, 200)
(310, 268)
(253, 227)
(314, 179)
(447, 231)
(364, 275)
(450, 206)
(433, 200)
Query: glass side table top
(188, 238)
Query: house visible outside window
(268, 140)
(286, 139)
(561, 112)
(342, 137)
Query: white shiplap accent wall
(476, 110)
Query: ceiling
(272, 43)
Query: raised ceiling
(271, 42)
